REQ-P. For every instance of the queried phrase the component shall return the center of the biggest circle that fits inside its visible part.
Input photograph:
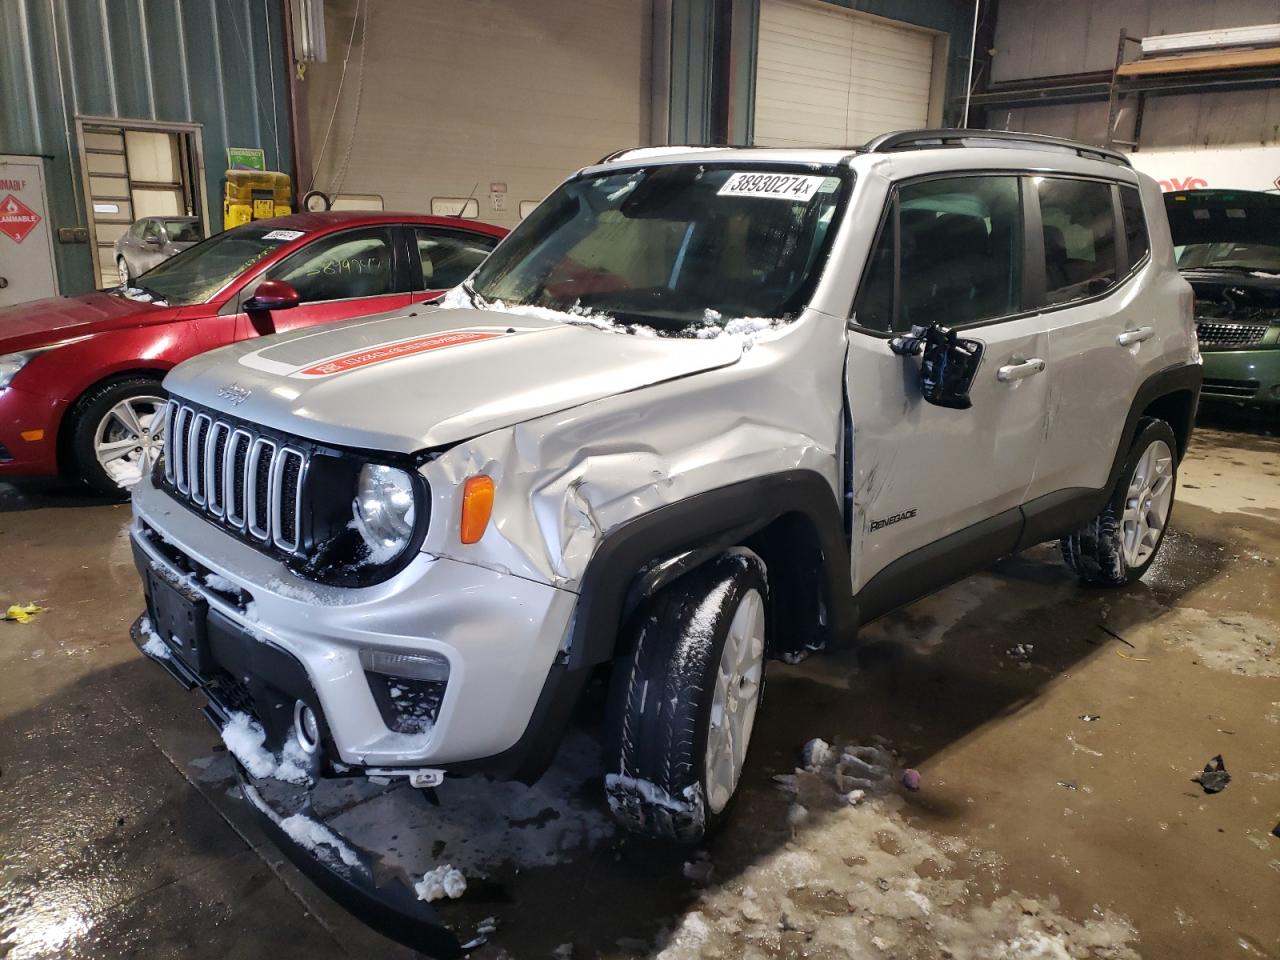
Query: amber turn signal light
(477, 505)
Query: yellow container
(255, 195)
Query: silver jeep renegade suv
(702, 409)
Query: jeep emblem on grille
(235, 393)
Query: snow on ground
(245, 738)
(857, 879)
(440, 882)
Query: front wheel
(1118, 545)
(117, 432)
(122, 269)
(683, 702)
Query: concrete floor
(1056, 731)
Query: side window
(448, 258)
(152, 231)
(1135, 224)
(959, 255)
(138, 229)
(1079, 238)
(352, 264)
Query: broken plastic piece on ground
(20, 613)
(1089, 717)
(911, 779)
(1069, 784)
(1111, 633)
(1214, 777)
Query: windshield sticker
(285, 235)
(393, 351)
(774, 186)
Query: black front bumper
(391, 907)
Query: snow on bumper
(499, 633)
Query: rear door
(443, 258)
(339, 275)
(1102, 316)
(936, 491)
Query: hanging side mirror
(948, 363)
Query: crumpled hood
(404, 382)
(40, 322)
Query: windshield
(673, 248)
(1254, 257)
(1225, 230)
(200, 271)
(182, 231)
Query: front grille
(1243, 389)
(1230, 334)
(249, 483)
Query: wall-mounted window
(467, 207)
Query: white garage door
(827, 76)
(504, 98)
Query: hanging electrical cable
(337, 97)
(355, 114)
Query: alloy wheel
(129, 438)
(1147, 504)
(734, 703)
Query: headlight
(11, 364)
(384, 510)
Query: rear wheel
(117, 432)
(1118, 545)
(683, 703)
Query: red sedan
(80, 376)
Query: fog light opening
(306, 727)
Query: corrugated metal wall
(219, 63)
(1040, 38)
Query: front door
(26, 241)
(935, 490)
(341, 275)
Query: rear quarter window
(1135, 225)
(1079, 223)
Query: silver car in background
(151, 241)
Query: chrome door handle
(1130, 337)
(1020, 371)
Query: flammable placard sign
(17, 219)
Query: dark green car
(1227, 243)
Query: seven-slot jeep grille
(246, 481)
(1214, 334)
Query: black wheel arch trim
(703, 525)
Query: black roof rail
(923, 139)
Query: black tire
(1096, 551)
(83, 423)
(661, 694)
(122, 267)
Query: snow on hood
(406, 381)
